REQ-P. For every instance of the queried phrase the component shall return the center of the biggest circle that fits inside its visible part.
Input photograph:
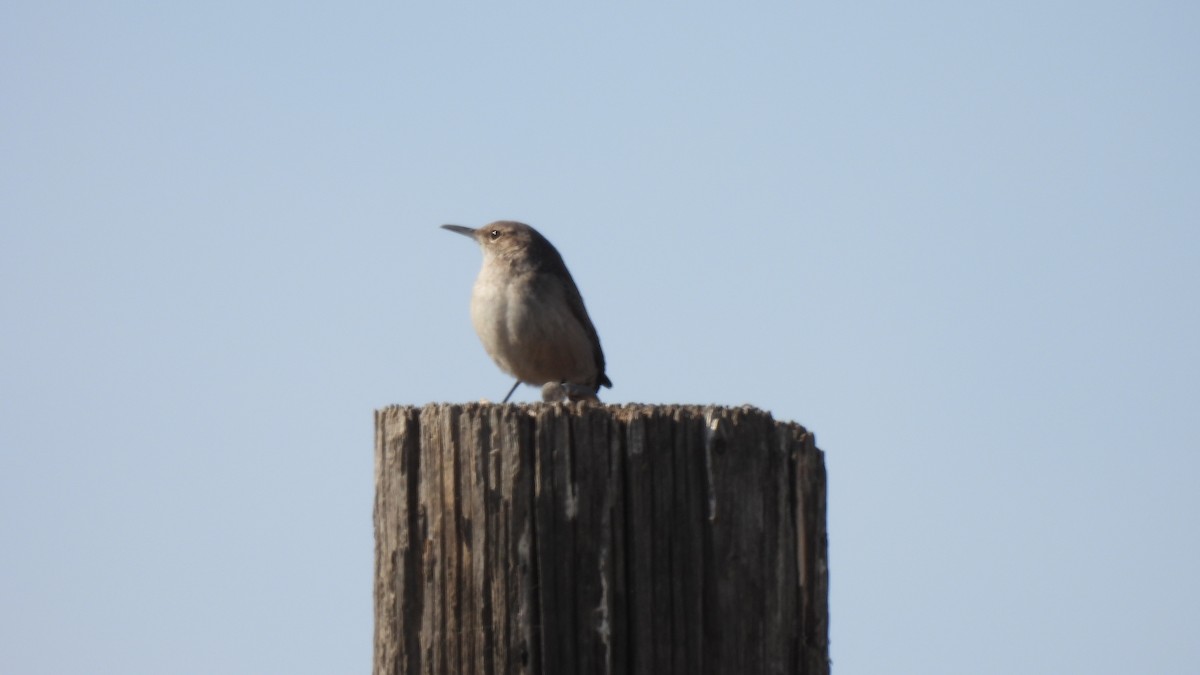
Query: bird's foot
(579, 392)
(553, 392)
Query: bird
(530, 316)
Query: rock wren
(530, 316)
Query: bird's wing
(557, 267)
(575, 301)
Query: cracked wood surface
(583, 538)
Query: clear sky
(958, 241)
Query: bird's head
(506, 240)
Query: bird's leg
(553, 392)
(510, 391)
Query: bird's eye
(494, 234)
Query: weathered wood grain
(547, 539)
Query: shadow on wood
(598, 539)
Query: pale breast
(527, 327)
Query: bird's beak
(465, 231)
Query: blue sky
(957, 241)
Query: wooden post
(576, 539)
